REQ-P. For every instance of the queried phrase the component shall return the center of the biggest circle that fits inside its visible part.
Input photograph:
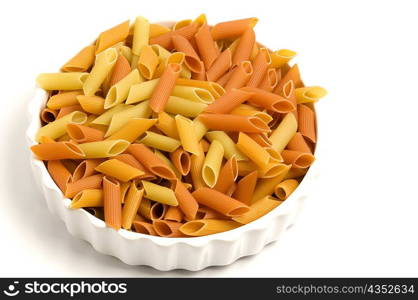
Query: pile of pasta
(177, 131)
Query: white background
(361, 220)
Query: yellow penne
(58, 127)
(181, 23)
(160, 141)
(159, 193)
(247, 110)
(309, 94)
(119, 170)
(141, 91)
(131, 206)
(212, 164)
(177, 105)
(106, 117)
(193, 94)
(87, 198)
(201, 19)
(92, 104)
(281, 57)
(141, 34)
(281, 136)
(228, 144)
(119, 119)
(126, 52)
(258, 209)
(265, 186)
(157, 29)
(199, 128)
(207, 226)
(186, 131)
(102, 67)
(168, 163)
(252, 150)
(167, 124)
(285, 188)
(62, 81)
(148, 62)
(178, 58)
(104, 149)
(119, 92)
(132, 129)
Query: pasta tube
(159, 193)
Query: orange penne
(187, 203)
(228, 122)
(206, 45)
(58, 150)
(167, 228)
(157, 211)
(298, 143)
(144, 227)
(269, 100)
(215, 89)
(207, 213)
(133, 162)
(112, 36)
(91, 104)
(84, 134)
(148, 62)
(59, 174)
(85, 169)
(220, 66)
(181, 160)
(48, 115)
(82, 61)
(68, 109)
(260, 66)
(174, 214)
(165, 41)
(91, 182)
(285, 188)
(112, 203)
(298, 159)
(269, 80)
(119, 71)
(292, 74)
(239, 75)
(191, 58)
(244, 47)
(220, 202)
(223, 80)
(232, 29)
(149, 160)
(164, 87)
(288, 91)
(227, 176)
(261, 139)
(63, 99)
(306, 122)
(201, 75)
(245, 188)
(226, 103)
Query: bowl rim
(37, 103)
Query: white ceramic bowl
(158, 252)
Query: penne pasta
(119, 170)
(59, 174)
(180, 106)
(58, 150)
(81, 62)
(85, 169)
(269, 81)
(119, 92)
(227, 122)
(90, 182)
(167, 124)
(112, 203)
(269, 101)
(220, 202)
(187, 134)
(88, 198)
(141, 31)
(181, 160)
(84, 134)
(298, 143)
(285, 188)
(164, 88)
(298, 159)
(167, 228)
(294, 75)
(131, 206)
(67, 110)
(92, 104)
(306, 122)
(227, 176)
(106, 117)
(230, 149)
(309, 94)
(132, 129)
(48, 115)
(195, 94)
(265, 187)
(150, 161)
(232, 29)
(157, 29)
(148, 62)
(191, 58)
(173, 214)
(244, 47)
(159, 141)
(165, 40)
(215, 89)
(281, 57)
(212, 163)
(112, 36)
(228, 101)
(102, 67)
(253, 151)
(168, 163)
(62, 81)
(260, 65)
(258, 209)
(281, 136)
(240, 75)
(159, 193)
(144, 228)
(206, 46)
(120, 70)
(61, 100)
(207, 227)
(142, 91)
(245, 188)
(220, 66)
(103, 149)
(187, 203)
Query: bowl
(161, 253)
